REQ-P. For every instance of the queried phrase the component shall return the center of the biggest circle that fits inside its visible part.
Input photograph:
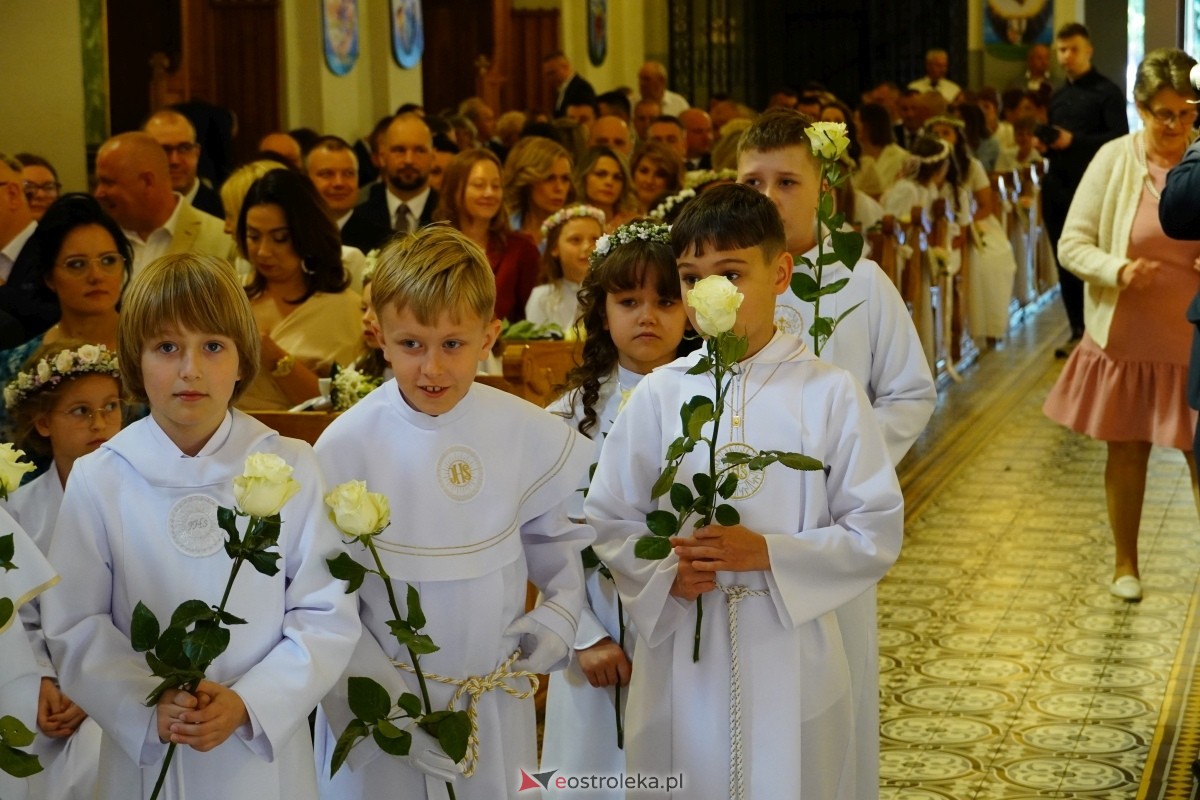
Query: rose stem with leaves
(369, 541)
(237, 564)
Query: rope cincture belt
(734, 595)
(477, 687)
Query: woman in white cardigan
(1125, 382)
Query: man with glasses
(1087, 111)
(40, 181)
(175, 133)
(27, 307)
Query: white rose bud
(357, 512)
(44, 371)
(12, 468)
(64, 361)
(264, 486)
(828, 139)
(716, 302)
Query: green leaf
(173, 680)
(267, 532)
(416, 617)
(827, 259)
(590, 559)
(227, 520)
(833, 287)
(368, 700)
(825, 208)
(229, 619)
(703, 483)
(686, 410)
(732, 347)
(821, 328)
(264, 562)
(653, 548)
(662, 523)
(143, 628)
(389, 729)
(845, 313)
(681, 496)
(701, 415)
(702, 366)
(398, 746)
(410, 704)
(6, 610)
(345, 568)
(204, 643)
(17, 763)
(190, 611)
(676, 448)
(734, 458)
(354, 733)
(453, 733)
(727, 515)
(728, 486)
(13, 732)
(8, 549)
(419, 643)
(663, 484)
(799, 461)
(804, 286)
(170, 648)
(848, 245)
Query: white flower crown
(697, 178)
(573, 212)
(662, 209)
(646, 231)
(53, 370)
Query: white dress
(20, 674)
(138, 523)
(992, 264)
(899, 201)
(71, 763)
(831, 535)
(556, 302)
(478, 497)
(877, 343)
(580, 732)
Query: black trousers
(1056, 201)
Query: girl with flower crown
(65, 403)
(570, 235)
(634, 321)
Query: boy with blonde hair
(807, 542)
(479, 482)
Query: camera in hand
(1046, 134)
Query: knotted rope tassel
(476, 687)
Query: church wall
(43, 87)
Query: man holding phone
(1087, 111)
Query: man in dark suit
(24, 297)
(404, 201)
(175, 133)
(569, 88)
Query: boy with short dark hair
(478, 481)
(782, 725)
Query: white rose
(828, 139)
(357, 512)
(88, 354)
(716, 302)
(602, 244)
(264, 486)
(12, 468)
(64, 361)
(44, 371)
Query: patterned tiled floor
(1008, 671)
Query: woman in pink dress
(1125, 382)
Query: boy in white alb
(478, 482)
(877, 343)
(139, 524)
(808, 542)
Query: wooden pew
(1045, 267)
(885, 247)
(914, 282)
(535, 370)
(955, 345)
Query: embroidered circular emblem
(788, 320)
(193, 526)
(460, 473)
(749, 481)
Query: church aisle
(1008, 670)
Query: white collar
(416, 205)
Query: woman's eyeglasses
(108, 262)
